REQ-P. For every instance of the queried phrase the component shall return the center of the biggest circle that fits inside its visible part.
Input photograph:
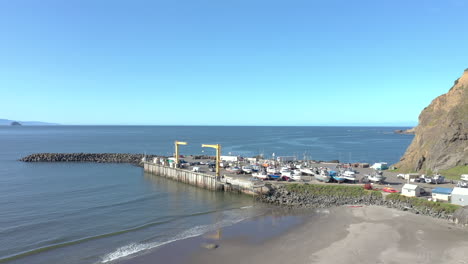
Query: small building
(411, 190)
(460, 196)
(441, 194)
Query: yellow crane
(177, 143)
(218, 156)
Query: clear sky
(239, 62)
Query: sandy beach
(338, 235)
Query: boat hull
(338, 179)
(260, 176)
(274, 176)
(322, 178)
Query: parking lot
(189, 162)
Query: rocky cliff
(441, 137)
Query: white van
(464, 177)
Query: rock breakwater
(88, 157)
(322, 196)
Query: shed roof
(410, 186)
(460, 191)
(442, 190)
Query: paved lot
(391, 179)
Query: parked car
(389, 190)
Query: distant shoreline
(337, 126)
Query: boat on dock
(255, 168)
(307, 171)
(337, 177)
(376, 177)
(274, 176)
(348, 175)
(272, 170)
(322, 176)
(247, 169)
(260, 175)
(285, 171)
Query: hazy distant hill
(7, 122)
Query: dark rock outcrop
(441, 137)
(461, 216)
(405, 131)
(279, 195)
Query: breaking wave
(134, 248)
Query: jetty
(163, 166)
(88, 157)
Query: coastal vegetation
(321, 196)
(455, 172)
(340, 191)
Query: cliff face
(441, 137)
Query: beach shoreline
(346, 234)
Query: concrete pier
(206, 181)
(198, 179)
(160, 166)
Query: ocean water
(102, 213)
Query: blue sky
(242, 62)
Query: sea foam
(134, 248)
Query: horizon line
(180, 125)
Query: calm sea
(100, 213)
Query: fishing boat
(296, 175)
(376, 177)
(247, 169)
(261, 175)
(322, 176)
(348, 175)
(336, 176)
(307, 171)
(255, 168)
(285, 171)
(272, 170)
(274, 176)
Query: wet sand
(338, 235)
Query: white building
(411, 190)
(230, 158)
(441, 194)
(460, 196)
